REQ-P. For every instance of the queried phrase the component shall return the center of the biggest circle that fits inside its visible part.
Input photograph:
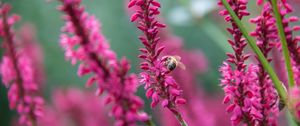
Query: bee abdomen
(281, 104)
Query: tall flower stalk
(240, 81)
(288, 33)
(266, 36)
(289, 44)
(18, 72)
(277, 83)
(195, 111)
(283, 38)
(159, 84)
(83, 42)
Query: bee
(282, 104)
(171, 62)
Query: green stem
(285, 51)
(181, 121)
(178, 116)
(291, 120)
(283, 41)
(277, 83)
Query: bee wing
(178, 58)
(181, 65)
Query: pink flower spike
(20, 69)
(75, 106)
(293, 45)
(146, 11)
(84, 43)
(245, 85)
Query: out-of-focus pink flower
(163, 86)
(84, 42)
(296, 5)
(73, 106)
(259, 2)
(18, 73)
(266, 34)
(28, 40)
(294, 101)
(278, 61)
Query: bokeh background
(195, 21)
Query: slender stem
(181, 120)
(177, 114)
(277, 83)
(283, 41)
(292, 121)
(285, 51)
(9, 43)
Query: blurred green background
(201, 29)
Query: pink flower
(240, 91)
(292, 40)
(163, 85)
(18, 73)
(266, 34)
(239, 80)
(27, 35)
(195, 111)
(84, 43)
(74, 106)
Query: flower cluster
(266, 36)
(294, 49)
(194, 110)
(240, 89)
(239, 80)
(266, 100)
(292, 41)
(73, 106)
(159, 84)
(18, 72)
(85, 43)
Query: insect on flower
(171, 62)
(282, 104)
